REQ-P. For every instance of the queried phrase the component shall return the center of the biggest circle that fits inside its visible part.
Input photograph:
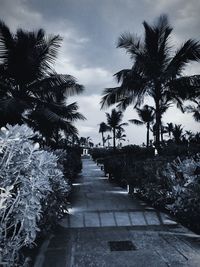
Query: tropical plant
(177, 133)
(33, 192)
(103, 127)
(146, 115)
(114, 122)
(120, 135)
(107, 139)
(194, 109)
(83, 141)
(30, 89)
(155, 71)
(169, 128)
(189, 135)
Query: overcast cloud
(90, 29)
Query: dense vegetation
(39, 145)
(169, 181)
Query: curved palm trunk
(148, 127)
(114, 138)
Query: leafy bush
(185, 189)
(69, 162)
(165, 181)
(174, 150)
(132, 151)
(33, 192)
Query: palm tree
(146, 115)
(155, 71)
(83, 141)
(169, 128)
(114, 122)
(177, 133)
(189, 135)
(107, 139)
(103, 127)
(28, 83)
(194, 109)
(120, 136)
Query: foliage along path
(103, 213)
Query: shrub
(33, 192)
(185, 189)
(165, 181)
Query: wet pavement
(108, 227)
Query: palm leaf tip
(136, 122)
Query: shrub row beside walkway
(107, 227)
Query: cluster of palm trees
(30, 89)
(115, 125)
(180, 136)
(157, 73)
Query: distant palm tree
(169, 128)
(120, 135)
(196, 138)
(177, 133)
(189, 135)
(107, 139)
(114, 122)
(83, 141)
(29, 83)
(102, 129)
(155, 71)
(146, 115)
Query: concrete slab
(137, 218)
(92, 219)
(107, 219)
(151, 218)
(76, 220)
(122, 218)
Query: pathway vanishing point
(107, 227)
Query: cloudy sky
(90, 29)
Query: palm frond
(189, 51)
(121, 75)
(56, 83)
(48, 50)
(47, 120)
(196, 115)
(111, 96)
(68, 112)
(125, 102)
(186, 87)
(136, 122)
(130, 43)
(6, 41)
(123, 124)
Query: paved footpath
(106, 227)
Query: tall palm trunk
(157, 127)
(161, 134)
(148, 127)
(102, 138)
(114, 138)
(158, 115)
